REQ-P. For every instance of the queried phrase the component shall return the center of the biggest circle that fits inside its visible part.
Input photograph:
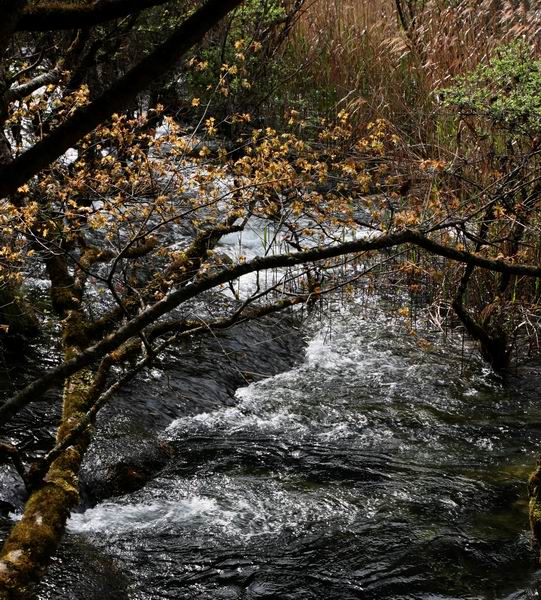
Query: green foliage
(506, 91)
(249, 44)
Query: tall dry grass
(453, 37)
(359, 53)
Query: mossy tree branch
(32, 542)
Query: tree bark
(53, 16)
(534, 493)
(34, 539)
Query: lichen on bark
(34, 539)
(534, 494)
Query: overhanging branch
(57, 15)
(207, 282)
(86, 119)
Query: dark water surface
(373, 469)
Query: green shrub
(506, 92)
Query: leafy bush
(506, 91)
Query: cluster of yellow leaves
(127, 182)
(231, 75)
(15, 224)
(36, 114)
(407, 218)
(380, 136)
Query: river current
(378, 466)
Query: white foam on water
(362, 382)
(236, 419)
(221, 506)
(303, 407)
(321, 354)
(112, 517)
(297, 402)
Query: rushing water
(374, 469)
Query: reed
(359, 54)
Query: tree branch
(150, 315)
(87, 118)
(53, 75)
(63, 15)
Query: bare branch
(132, 328)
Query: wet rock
(199, 376)
(100, 579)
(130, 463)
(12, 491)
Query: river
(371, 466)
